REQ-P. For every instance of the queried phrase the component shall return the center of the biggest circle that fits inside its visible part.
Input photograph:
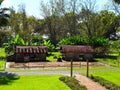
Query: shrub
(73, 40)
(37, 40)
(14, 42)
(72, 83)
(98, 41)
(49, 45)
(76, 40)
(109, 85)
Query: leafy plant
(98, 41)
(72, 83)
(49, 45)
(74, 40)
(37, 40)
(13, 42)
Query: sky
(33, 6)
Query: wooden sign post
(71, 70)
(87, 73)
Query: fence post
(71, 70)
(87, 73)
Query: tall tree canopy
(117, 1)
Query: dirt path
(91, 85)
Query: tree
(4, 37)
(116, 46)
(23, 25)
(110, 22)
(89, 20)
(117, 1)
(3, 16)
(52, 13)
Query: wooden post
(87, 73)
(118, 59)
(71, 70)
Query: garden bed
(50, 64)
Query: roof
(30, 49)
(76, 49)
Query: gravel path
(91, 85)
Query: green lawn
(36, 82)
(112, 77)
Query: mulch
(50, 64)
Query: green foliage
(14, 42)
(72, 83)
(1, 1)
(54, 56)
(2, 52)
(73, 40)
(109, 85)
(37, 40)
(2, 64)
(3, 15)
(98, 41)
(117, 1)
(4, 36)
(49, 45)
(76, 40)
(115, 45)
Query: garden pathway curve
(91, 85)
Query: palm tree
(3, 15)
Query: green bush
(49, 45)
(73, 40)
(14, 42)
(76, 40)
(109, 85)
(72, 83)
(98, 41)
(37, 40)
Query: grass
(110, 76)
(113, 77)
(111, 62)
(36, 82)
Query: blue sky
(33, 6)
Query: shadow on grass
(7, 78)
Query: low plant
(14, 42)
(109, 85)
(72, 83)
(49, 45)
(73, 40)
